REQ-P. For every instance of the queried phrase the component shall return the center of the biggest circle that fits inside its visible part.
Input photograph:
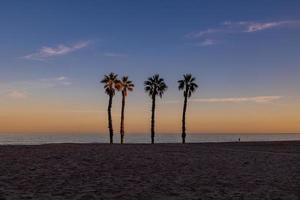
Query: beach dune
(261, 170)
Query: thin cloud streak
(88, 111)
(255, 99)
(48, 52)
(240, 27)
(262, 26)
(249, 27)
(208, 42)
(81, 111)
(53, 82)
(202, 33)
(16, 90)
(118, 55)
(16, 94)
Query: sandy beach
(261, 170)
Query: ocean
(35, 139)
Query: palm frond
(155, 85)
(111, 83)
(187, 84)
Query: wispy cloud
(238, 27)
(255, 99)
(16, 90)
(251, 26)
(83, 111)
(262, 26)
(48, 52)
(118, 55)
(207, 42)
(53, 82)
(242, 27)
(197, 34)
(15, 94)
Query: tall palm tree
(154, 86)
(188, 85)
(110, 82)
(125, 86)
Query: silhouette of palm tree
(111, 83)
(125, 86)
(189, 86)
(154, 86)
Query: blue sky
(237, 49)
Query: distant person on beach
(239, 139)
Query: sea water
(34, 139)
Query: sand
(161, 171)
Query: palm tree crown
(188, 85)
(126, 85)
(111, 83)
(155, 86)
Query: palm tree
(110, 82)
(189, 86)
(154, 86)
(125, 86)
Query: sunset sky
(244, 54)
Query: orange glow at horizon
(201, 118)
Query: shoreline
(158, 143)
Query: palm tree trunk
(183, 119)
(110, 126)
(153, 119)
(122, 118)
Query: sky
(244, 55)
